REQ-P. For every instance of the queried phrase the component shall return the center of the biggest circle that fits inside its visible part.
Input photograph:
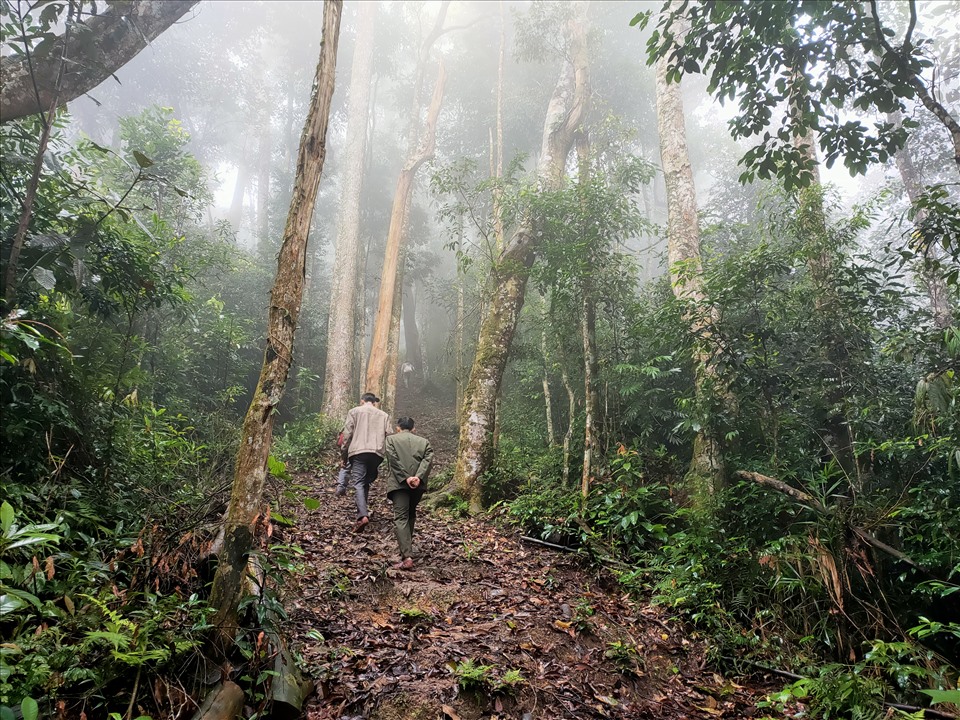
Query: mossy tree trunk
(509, 275)
(246, 511)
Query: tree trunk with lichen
(588, 332)
(411, 331)
(509, 276)
(29, 83)
(706, 474)
(246, 510)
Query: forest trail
(387, 644)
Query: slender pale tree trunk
(339, 387)
(571, 416)
(420, 145)
(411, 331)
(497, 170)
(547, 397)
(389, 394)
(458, 343)
(933, 281)
(377, 363)
(591, 403)
(246, 511)
(588, 331)
(509, 274)
(683, 255)
(263, 185)
(235, 214)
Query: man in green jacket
(409, 458)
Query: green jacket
(407, 455)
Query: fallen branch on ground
(817, 506)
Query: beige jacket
(365, 430)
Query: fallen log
(223, 702)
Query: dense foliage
(765, 576)
(123, 357)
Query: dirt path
(386, 644)
(557, 638)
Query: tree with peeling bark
(339, 385)
(29, 81)
(381, 364)
(246, 511)
(510, 273)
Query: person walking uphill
(363, 437)
(409, 458)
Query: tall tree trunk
(591, 404)
(835, 431)
(235, 214)
(509, 275)
(497, 170)
(263, 186)
(547, 398)
(933, 281)
(393, 348)
(458, 342)
(683, 253)
(377, 363)
(571, 416)
(411, 332)
(246, 510)
(339, 387)
(588, 331)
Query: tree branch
(28, 88)
(816, 505)
(929, 102)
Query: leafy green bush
(305, 441)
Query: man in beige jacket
(363, 437)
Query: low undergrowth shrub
(305, 442)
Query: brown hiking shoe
(407, 564)
(360, 524)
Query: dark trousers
(405, 517)
(363, 471)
